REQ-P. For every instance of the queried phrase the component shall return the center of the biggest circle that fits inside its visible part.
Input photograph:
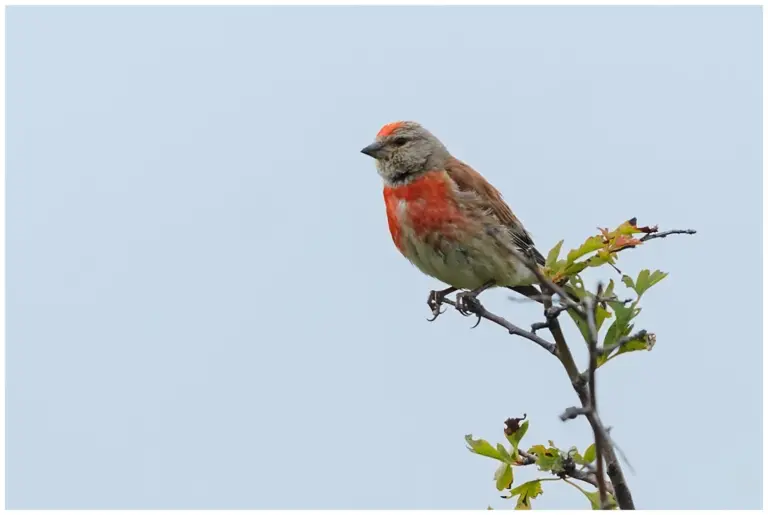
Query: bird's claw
(467, 304)
(434, 301)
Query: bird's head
(405, 150)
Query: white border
(359, 2)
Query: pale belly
(468, 263)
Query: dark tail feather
(528, 291)
(534, 294)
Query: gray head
(405, 150)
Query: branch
(584, 387)
(600, 442)
(569, 469)
(654, 235)
(603, 447)
(475, 307)
(563, 351)
(618, 482)
(616, 475)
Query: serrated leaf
(646, 279)
(503, 477)
(526, 492)
(518, 435)
(483, 448)
(641, 282)
(554, 254)
(627, 280)
(591, 244)
(590, 454)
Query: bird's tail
(535, 294)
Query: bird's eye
(400, 141)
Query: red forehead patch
(389, 129)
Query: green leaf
(645, 343)
(594, 499)
(503, 477)
(526, 491)
(608, 292)
(601, 314)
(578, 286)
(591, 244)
(602, 257)
(613, 334)
(506, 457)
(630, 227)
(618, 330)
(518, 435)
(575, 268)
(623, 313)
(590, 454)
(547, 459)
(627, 280)
(642, 281)
(554, 254)
(646, 279)
(581, 324)
(483, 448)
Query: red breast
(426, 205)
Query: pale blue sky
(205, 309)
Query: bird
(448, 220)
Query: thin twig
(573, 412)
(563, 351)
(654, 235)
(478, 309)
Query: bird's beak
(373, 150)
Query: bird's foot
(467, 304)
(435, 301)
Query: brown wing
(469, 180)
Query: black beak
(373, 150)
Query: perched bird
(447, 219)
